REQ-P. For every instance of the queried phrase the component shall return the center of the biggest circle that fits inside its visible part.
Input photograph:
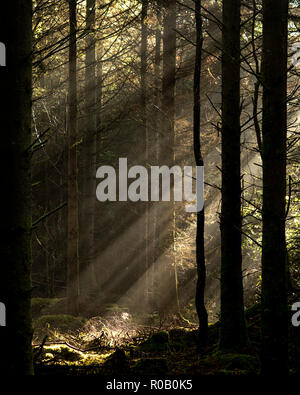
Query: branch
(289, 200)
(35, 223)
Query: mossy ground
(171, 351)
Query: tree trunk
(233, 332)
(167, 142)
(145, 234)
(274, 296)
(15, 154)
(87, 269)
(200, 257)
(72, 254)
(168, 80)
(156, 156)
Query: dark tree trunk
(98, 226)
(233, 332)
(169, 79)
(72, 254)
(99, 72)
(167, 140)
(257, 83)
(156, 155)
(274, 296)
(15, 154)
(144, 69)
(200, 257)
(87, 258)
(145, 234)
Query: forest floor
(121, 345)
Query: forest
(150, 181)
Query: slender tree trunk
(257, 83)
(15, 154)
(99, 93)
(168, 80)
(144, 71)
(274, 356)
(98, 225)
(168, 130)
(87, 269)
(233, 331)
(145, 210)
(200, 257)
(156, 147)
(72, 254)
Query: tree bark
(15, 154)
(87, 269)
(72, 253)
(200, 257)
(156, 156)
(274, 355)
(168, 140)
(169, 79)
(232, 331)
(145, 234)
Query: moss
(96, 358)
(66, 354)
(213, 333)
(159, 341)
(117, 362)
(238, 361)
(59, 353)
(177, 334)
(40, 305)
(48, 357)
(185, 337)
(181, 339)
(62, 322)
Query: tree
(274, 297)
(166, 212)
(72, 253)
(156, 139)
(145, 234)
(87, 272)
(15, 148)
(144, 72)
(200, 257)
(169, 78)
(233, 331)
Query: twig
(35, 223)
(289, 199)
(41, 348)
